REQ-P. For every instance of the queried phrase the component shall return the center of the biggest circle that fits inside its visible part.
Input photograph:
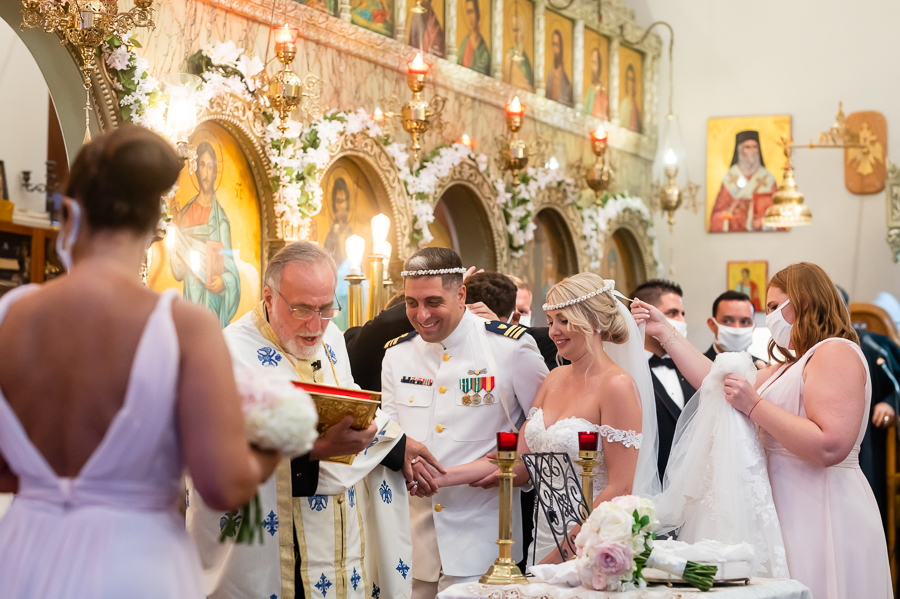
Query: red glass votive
(587, 441)
(286, 34)
(515, 108)
(507, 441)
(599, 134)
(418, 66)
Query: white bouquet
(616, 543)
(277, 416)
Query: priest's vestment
(330, 530)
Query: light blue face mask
(64, 247)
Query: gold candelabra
(417, 116)
(600, 175)
(84, 25)
(587, 453)
(504, 570)
(286, 90)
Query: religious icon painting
(596, 75)
(374, 15)
(631, 89)
(327, 6)
(426, 30)
(744, 162)
(749, 277)
(473, 35)
(518, 44)
(558, 58)
(348, 205)
(211, 251)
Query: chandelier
(84, 25)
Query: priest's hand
(425, 484)
(340, 439)
(415, 452)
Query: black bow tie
(657, 361)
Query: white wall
(23, 118)
(774, 57)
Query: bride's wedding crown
(608, 287)
(423, 273)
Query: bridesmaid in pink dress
(811, 409)
(107, 391)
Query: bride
(606, 388)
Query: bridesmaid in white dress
(811, 410)
(593, 393)
(107, 391)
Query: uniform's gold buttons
(439, 428)
(442, 390)
(438, 507)
(446, 357)
(410, 400)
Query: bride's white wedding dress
(562, 437)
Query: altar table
(759, 588)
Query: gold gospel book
(334, 403)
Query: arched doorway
(548, 259)
(462, 223)
(623, 261)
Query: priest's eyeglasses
(307, 313)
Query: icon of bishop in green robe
(202, 255)
(473, 52)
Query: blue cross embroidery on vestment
(271, 523)
(318, 502)
(385, 492)
(274, 597)
(354, 580)
(323, 585)
(331, 355)
(403, 569)
(376, 592)
(352, 493)
(268, 356)
(230, 523)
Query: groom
(452, 384)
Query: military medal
(476, 385)
(465, 385)
(488, 385)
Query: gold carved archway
(632, 222)
(468, 175)
(555, 199)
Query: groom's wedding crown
(608, 287)
(427, 273)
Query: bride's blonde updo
(597, 314)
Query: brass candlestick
(376, 285)
(504, 570)
(355, 300)
(588, 462)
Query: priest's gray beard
(748, 164)
(291, 345)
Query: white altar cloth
(759, 588)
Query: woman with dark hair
(811, 407)
(107, 390)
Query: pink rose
(598, 580)
(613, 559)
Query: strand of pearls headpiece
(608, 287)
(423, 273)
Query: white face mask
(779, 327)
(64, 250)
(680, 326)
(525, 320)
(734, 338)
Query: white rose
(615, 526)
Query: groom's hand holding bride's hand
(419, 481)
(740, 393)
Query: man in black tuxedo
(732, 324)
(671, 389)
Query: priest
(330, 529)
(747, 188)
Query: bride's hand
(656, 324)
(740, 393)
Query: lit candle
(377, 116)
(599, 134)
(507, 441)
(418, 66)
(467, 141)
(380, 226)
(671, 158)
(587, 441)
(286, 34)
(355, 246)
(515, 108)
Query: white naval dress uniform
(454, 532)
(352, 536)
